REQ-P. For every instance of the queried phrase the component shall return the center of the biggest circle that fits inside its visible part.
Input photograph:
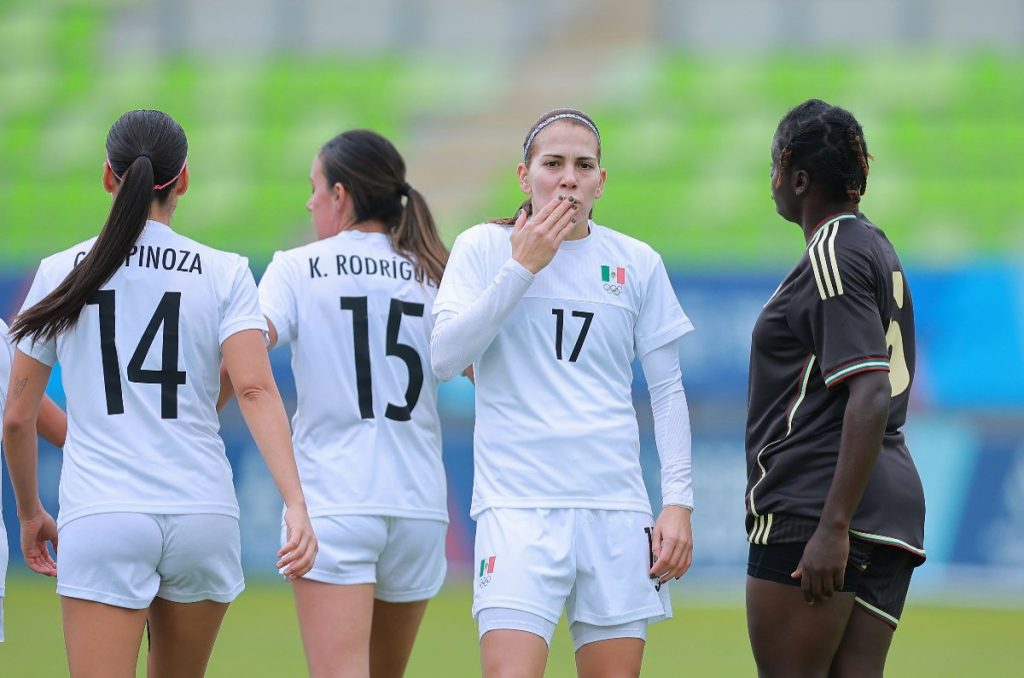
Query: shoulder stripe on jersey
(860, 366)
(871, 609)
(888, 541)
(821, 251)
(805, 377)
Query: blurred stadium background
(687, 94)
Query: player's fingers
(839, 580)
(546, 211)
(687, 562)
(552, 222)
(520, 221)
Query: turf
(260, 638)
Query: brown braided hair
(829, 142)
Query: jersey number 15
(405, 352)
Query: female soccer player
(550, 309)
(52, 425)
(356, 307)
(835, 508)
(140, 318)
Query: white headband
(555, 118)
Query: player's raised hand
(536, 239)
(35, 533)
(296, 557)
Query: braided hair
(827, 141)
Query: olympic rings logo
(613, 289)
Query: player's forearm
(459, 339)
(22, 454)
(671, 423)
(267, 420)
(867, 411)
(52, 423)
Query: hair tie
(555, 118)
(404, 188)
(156, 187)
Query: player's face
(781, 194)
(323, 203)
(564, 163)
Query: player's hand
(536, 240)
(822, 568)
(297, 555)
(672, 544)
(35, 533)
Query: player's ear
(801, 182)
(109, 182)
(182, 184)
(600, 185)
(524, 180)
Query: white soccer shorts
(127, 559)
(403, 557)
(593, 563)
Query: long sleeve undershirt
(460, 338)
(671, 423)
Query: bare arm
(823, 565)
(227, 390)
(27, 386)
(52, 423)
(248, 367)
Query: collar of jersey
(835, 217)
(152, 225)
(582, 242)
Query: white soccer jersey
(5, 377)
(141, 374)
(555, 424)
(366, 431)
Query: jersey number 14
(169, 377)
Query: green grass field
(260, 638)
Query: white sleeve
(460, 337)
(241, 305)
(277, 299)
(45, 351)
(661, 318)
(671, 423)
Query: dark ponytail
(373, 173)
(146, 152)
(570, 115)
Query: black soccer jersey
(845, 308)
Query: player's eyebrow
(559, 156)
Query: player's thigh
(525, 560)
(348, 548)
(202, 558)
(110, 558)
(615, 657)
(613, 584)
(788, 636)
(412, 565)
(182, 636)
(335, 622)
(102, 641)
(392, 636)
(513, 652)
(881, 596)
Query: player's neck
(816, 215)
(368, 226)
(579, 231)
